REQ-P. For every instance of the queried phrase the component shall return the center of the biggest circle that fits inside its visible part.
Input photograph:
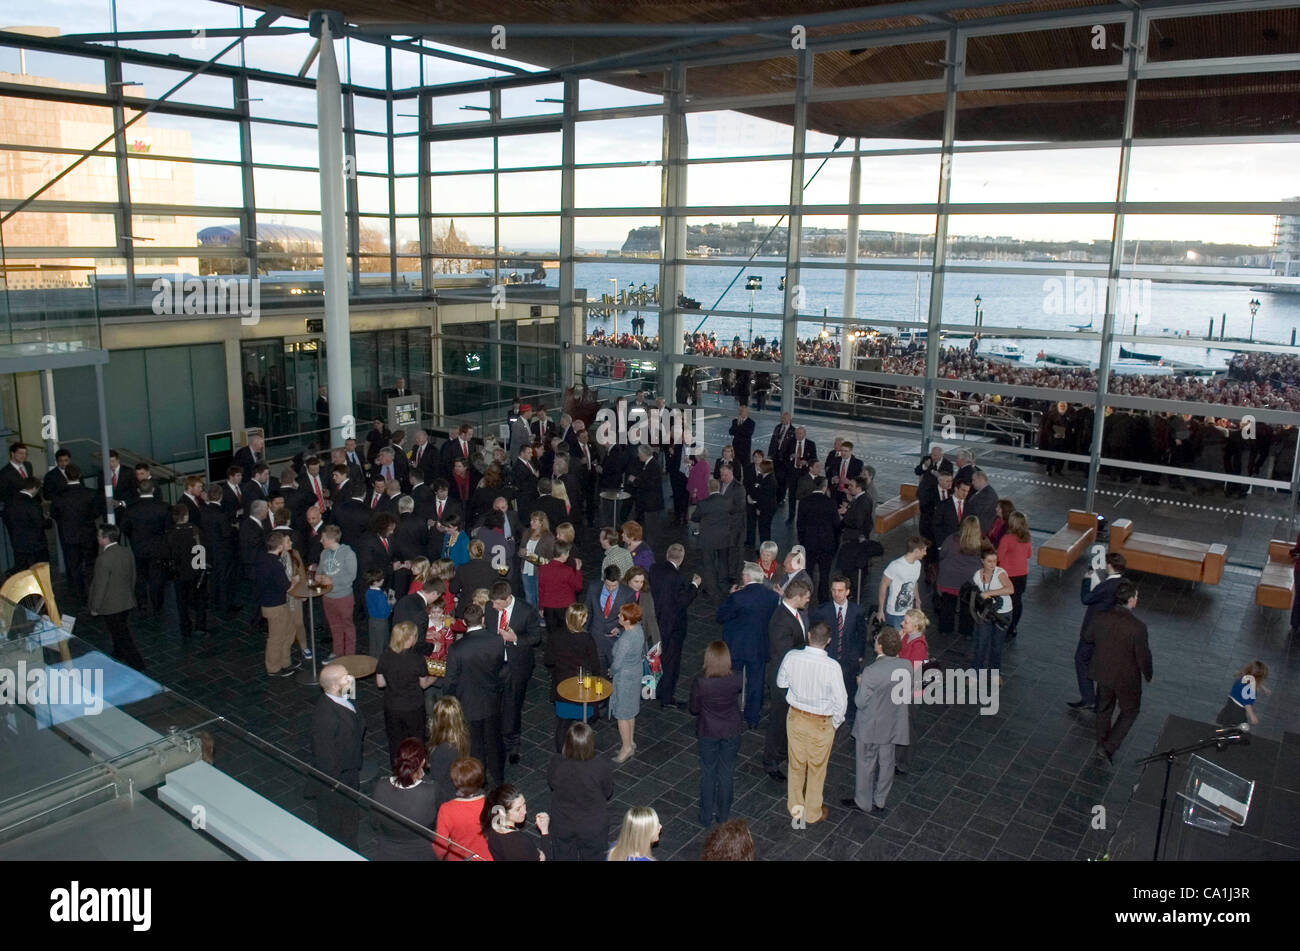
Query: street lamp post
(1254, 308)
(979, 314)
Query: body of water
(1048, 302)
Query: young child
(379, 609)
(1239, 710)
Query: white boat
(1007, 351)
(1139, 368)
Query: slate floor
(1019, 785)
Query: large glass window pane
(637, 139)
(369, 114)
(372, 153)
(45, 229)
(186, 136)
(53, 69)
(744, 78)
(724, 134)
(461, 193)
(530, 191)
(732, 238)
(526, 100)
(1047, 240)
(174, 231)
(1255, 172)
(739, 183)
(1041, 113)
(157, 182)
(284, 145)
(22, 173)
(467, 107)
(1197, 243)
(1240, 104)
(28, 125)
(281, 101)
(461, 155)
(467, 237)
(278, 188)
(406, 155)
(521, 151)
(532, 235)
(895, 239)
(631, 236)
(366, 64)
(885, 179)
(1074, 47)
(372, 194)
(407, 194)
(618, 187)
(594, 94)
(201, 90)
(869, 66)
(1261, 32)
(1035, 175)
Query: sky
(1159, 173)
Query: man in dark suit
(354, 459)
(414, 607)
(192, 498)
(982, 501)
(26, 524)
(842, 470)
(121, 477)
(352, 516)
(56, 478)
(232, 493)
(18, 471)
(732, 490)
(934, 489)
(399, 389)
(146, 521)
(524, 477)
(391, 465)
(475, 665)
(948, 516)
(744, 617)
(411, 537)
(714, 515)
(780, 450)
(562, 473)
(742, 438)
(314, 485)
(221, 543)
(376, 440)
(817, 530)
(604, 599)
(249, 456)
(965, 466)
(647, 484)
(857, 524)
(74, 511)
(673, 591)
(586, 464)
(848, 626)
(458, 447)
(338, 733)
(548, 504)
(474, 574)
(423, 457)
(112, 594)
(520, 628)
(1097, 592)
(787, 631)
(443, 507)
(1120, 660)
(803, 453)
(322, 410)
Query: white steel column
(334, 224)
(849, 327)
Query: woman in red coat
(559, 584)
(460, 828)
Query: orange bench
(1068, 545)
(1171, 557)
(1277, 581)
(897, 510)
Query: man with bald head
(337, 735)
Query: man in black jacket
(18, 471)
(180, 550)
(673, 591)
(647, 483)
(1097, 592)
(519, 626)
(74, 512)
(337, 742)
(818, 528)
(787, 631)
(1120, 660)
(742, 438)
(56, 477)
(474, 677)
(221, 546)
(145, 523)
(26, 524)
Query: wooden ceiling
(1202, 105)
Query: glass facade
(1107, 229)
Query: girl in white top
(994, 582)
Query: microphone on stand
(1224, 738)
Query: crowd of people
(460, 563)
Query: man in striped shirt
(815, 692)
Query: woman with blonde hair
(564, 532)
(536, 545)
(959, 559)
(402, 675)
(638, 579)
(640, 831)
(916, 651)
(448, 742)
(569, 648)
(558, 491)
(421, 571)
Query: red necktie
(320, 499)
(844, 470)
(959, 510)
(115, 478)
(385, 541)
(839, 632)
(441, 503)
(239, 495)
(609, 599)
(374, 500)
